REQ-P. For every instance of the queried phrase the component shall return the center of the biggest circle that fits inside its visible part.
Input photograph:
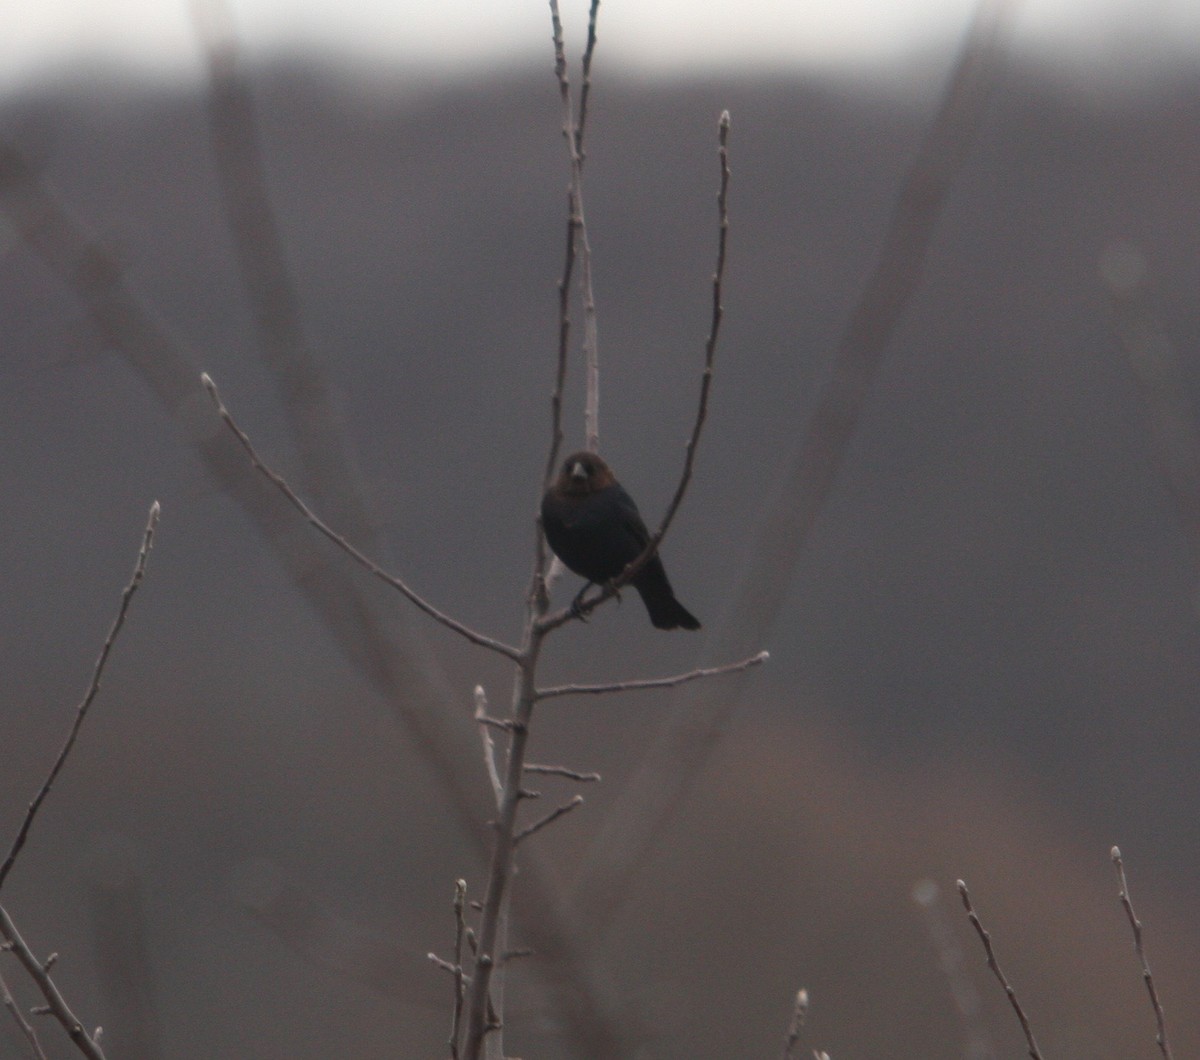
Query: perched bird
(594, 527)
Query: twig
(363, 561)
(653, 682)
(796, 1027)
(550, 818)
(81, 711)
(562, 771)
(1164, 1046)
(927, 894)
(710, 347)
(56, 1005)
(489, 745)
(574, 223)
(994, 965)
(460, 979)
(27, 1030)
(586, 87)
(573, 135)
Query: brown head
(583, 473)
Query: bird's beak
(577, 472)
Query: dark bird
(594, 527)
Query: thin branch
(27, 1030)
(710, 348)
(56, 1005)
(139, 571)
(573, 136)
(489, 745)
(562, 771)
(994, 965)
(460, 979)
(549, 819)
(574, 222)
(951, 960)
(1164, 1046)
(586, 87)
(363, 561)
(653, 682)
(796, 1027)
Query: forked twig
(26, 1028)
(56, 1005)
(572, 131)
(994, 965)
(1164, 1046)
(368, 564)
(653, 682)
(139, 571)
(460, 930)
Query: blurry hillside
(988, 667)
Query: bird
(594, 527)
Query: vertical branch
(460, 926)
(573, 135)
(1127, 904)
(93, 687)
(585, 90)
(500, 872)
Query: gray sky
(38, 38)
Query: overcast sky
(38, 38)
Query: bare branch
(489, 745)
(653, 682)
(562, 771)
(586, 88)
(550, 818)
(710, 348)
(951, 960)
(139, 571)
(363, 561)
(460, 979)
(994, 965)
(573, 136)
(56, 1005)
(26, 1028)
(1164, 1046)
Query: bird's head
(583, 473)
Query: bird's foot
(577, 604)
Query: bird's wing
(632, 524)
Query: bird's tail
(665, 611)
